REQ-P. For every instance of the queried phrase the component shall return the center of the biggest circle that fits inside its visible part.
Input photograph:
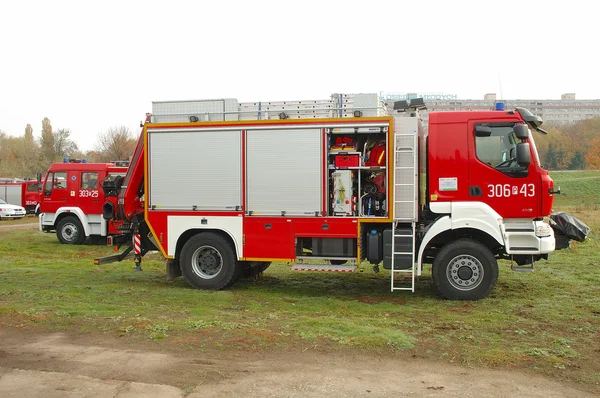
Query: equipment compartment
(357, 160)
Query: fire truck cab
(72, 198)
(25, 193)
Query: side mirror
(483, 131)
(39, 177)
(521, 131)
(523, 154)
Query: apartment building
(567, 109)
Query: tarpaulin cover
(570, 226)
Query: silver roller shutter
(195, 167)
(284, 171)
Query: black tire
(255, 268)
(70, 231)
(208, 261)
(465, 270)
(338, 262)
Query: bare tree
(64, 146)
(115, 144)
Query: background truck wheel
(465, 270)
(254, 268)
(70, 231)
(208, 262)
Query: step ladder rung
(404, 253)
(323, 267)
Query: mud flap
(173, 269)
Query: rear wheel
(70, 231)
(465, 270)
(208, 262)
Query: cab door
(88, 192)
(55, 193)
(495, 177)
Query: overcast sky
(88, 66)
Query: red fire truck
(22, 193)
(72, 200)
(221, 188)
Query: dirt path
(8, 225)
(59, 365)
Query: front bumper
(46, 222)
(15, 214)
(528, 237)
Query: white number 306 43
(506, 190)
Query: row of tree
(25, 156)
(566, 147)
(573, 146)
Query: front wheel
(70, 231)
(465, 270)
(208, 262)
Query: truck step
(323, 267)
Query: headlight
(542, 230)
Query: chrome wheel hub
(465, 272)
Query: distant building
(566, 110)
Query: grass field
(547, 321)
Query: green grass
(547, 321)
(578, 189)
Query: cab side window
(496, 146)
(89, 180)
(60, 180)
(55, 181)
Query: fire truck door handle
(475, 191)
(325, 227)
(268, 226)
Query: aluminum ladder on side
(405, 202)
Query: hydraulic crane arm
(132, 189)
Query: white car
(10, 211)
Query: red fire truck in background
(221, 187)
(72, 199)
(25, 193)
